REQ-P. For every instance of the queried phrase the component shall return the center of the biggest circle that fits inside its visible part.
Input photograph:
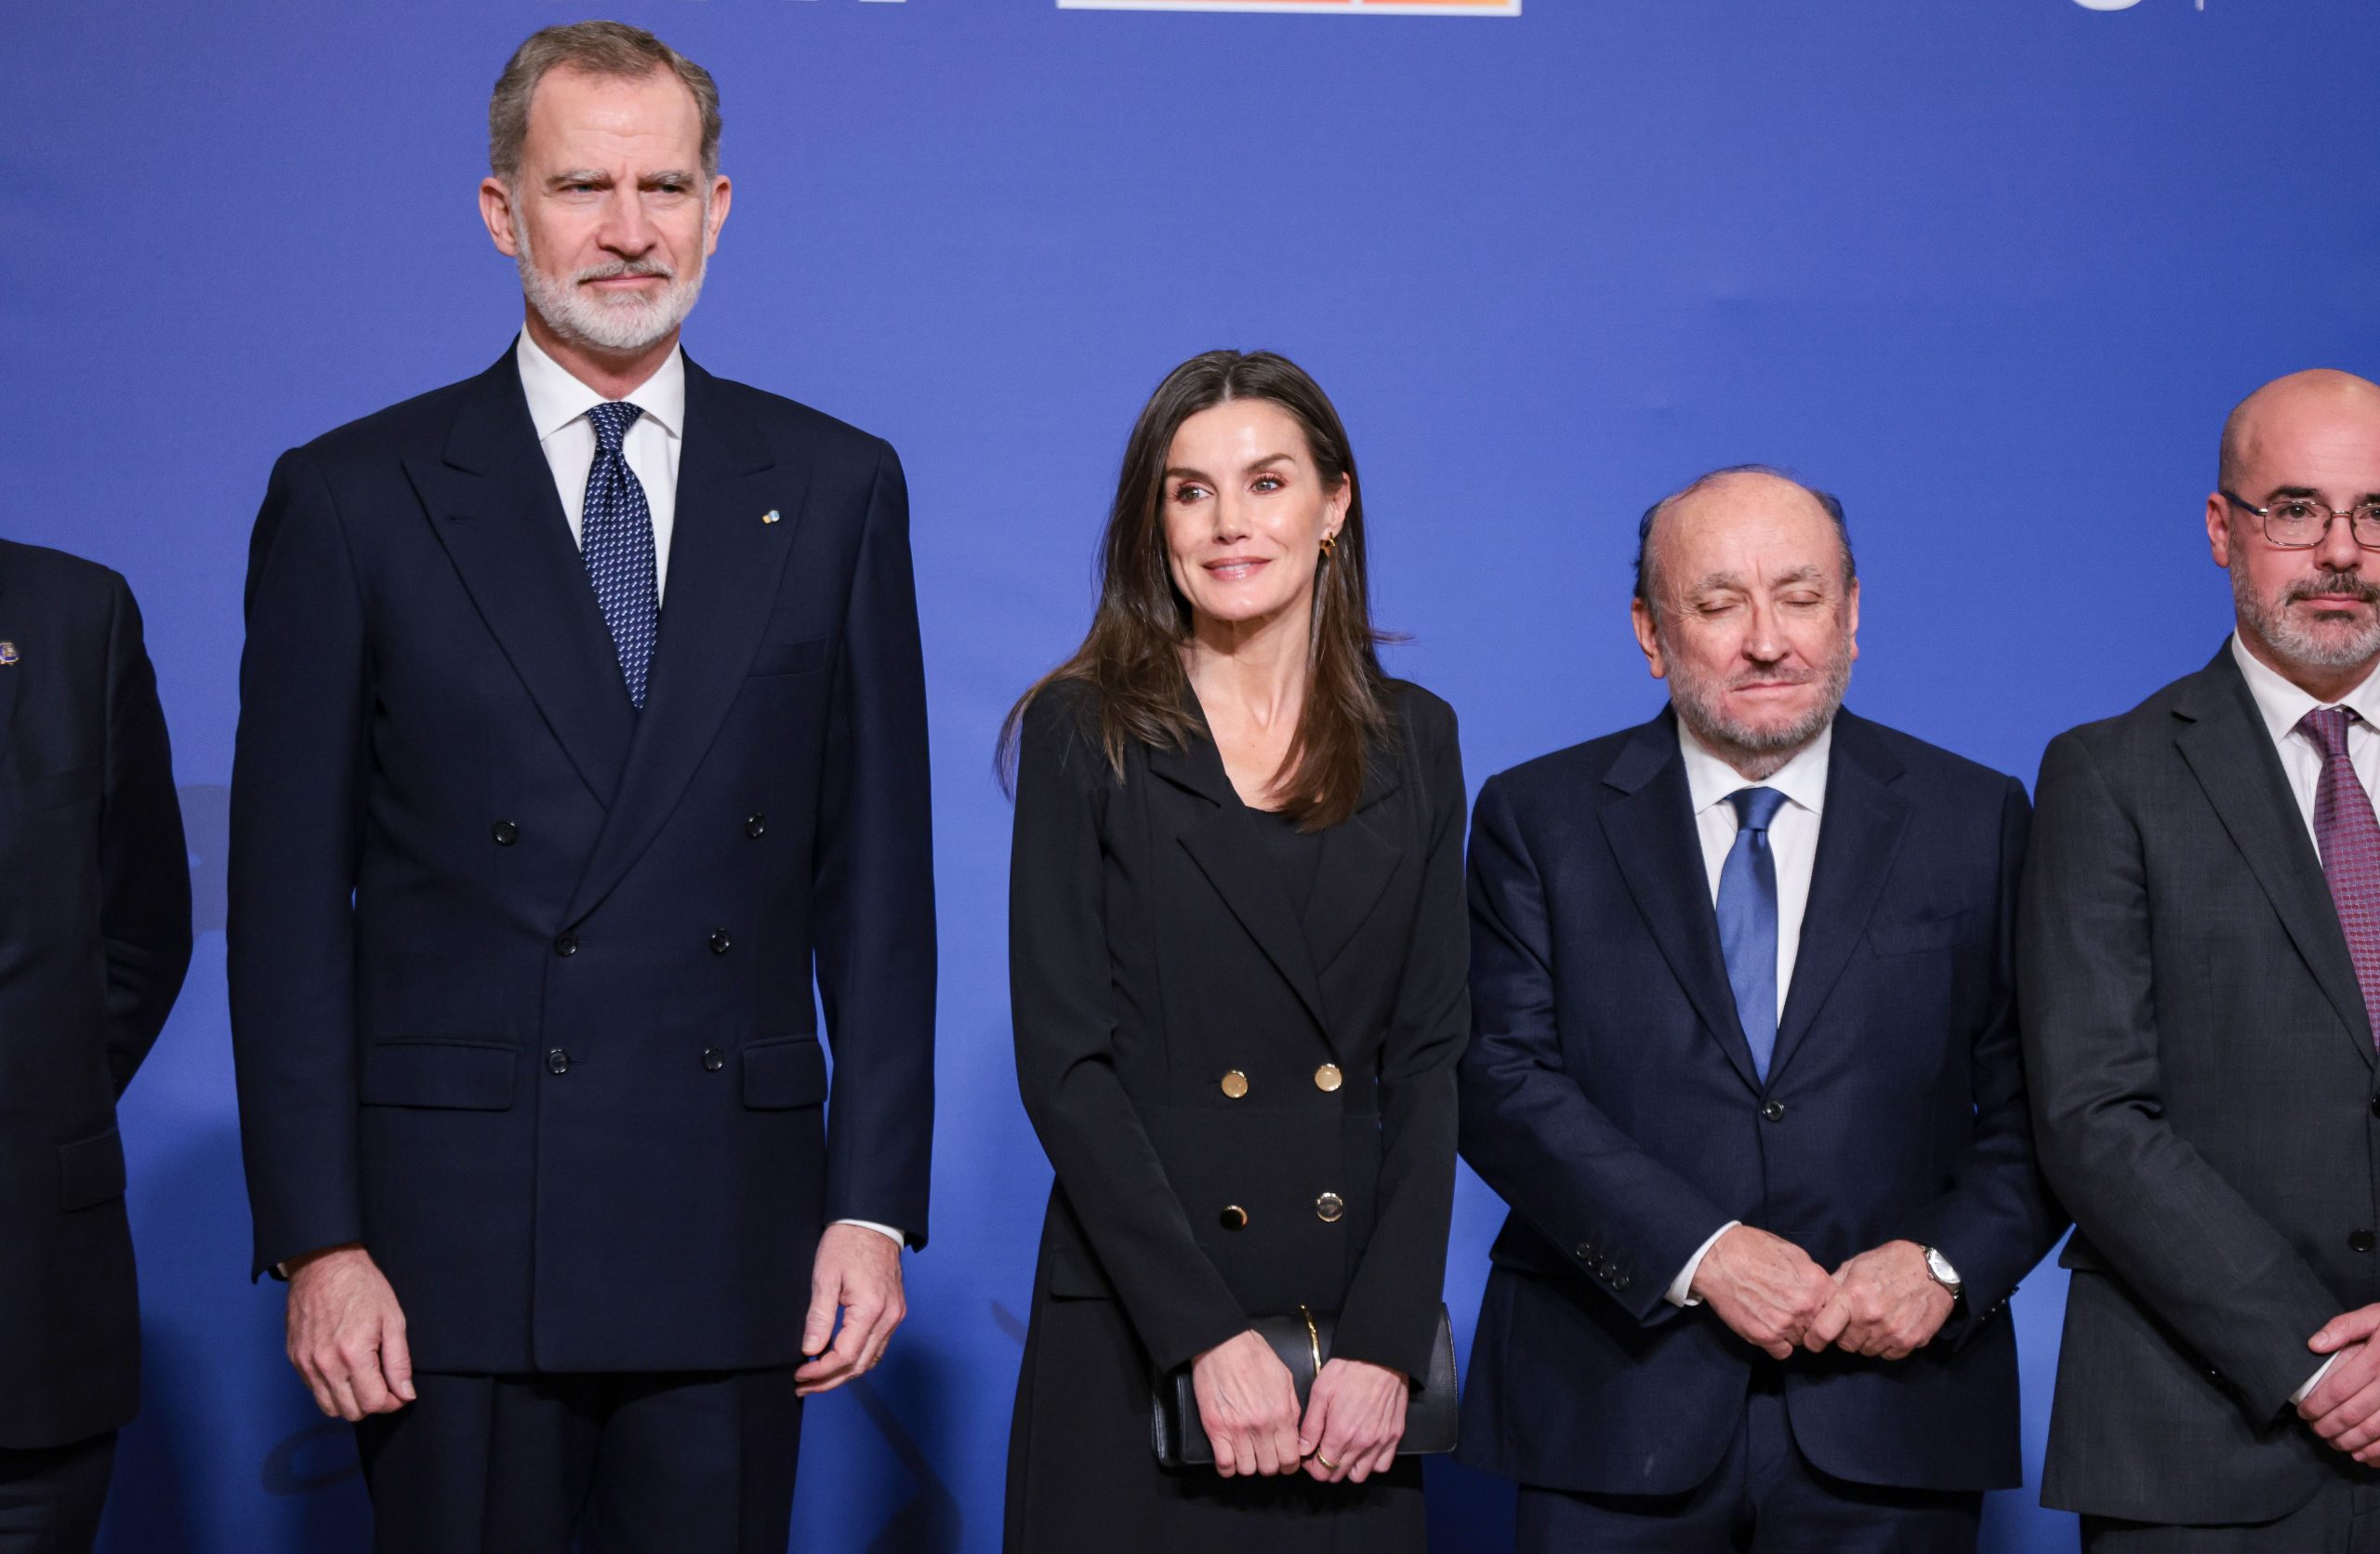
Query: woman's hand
(1353, 1422)
(1249, 1402)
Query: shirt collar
(556, 398)
(2283, 704)
(1709, 780)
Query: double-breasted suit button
(1328, 1078)
(755, 826)
(2361, 1240)
(506, 833)
(566, 946)
(1772, 1108)
(557, 1062)
(1235, 1084)
(1234, 1218)
(714, 1059)
(720, 942)
(1329, 1207)
(2375, 1106)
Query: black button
(1234, 1218)
(2361, 1240)
(507, 833)
(1619, 1283)
(565, 946)
(557, 1062)
(714, 1059)
(755, 826)
(1586, 1252)
(2375, 1106)
(720, 942)
(1772, 1108)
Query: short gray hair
(1647, 574)
(597, 49)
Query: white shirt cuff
(2313, 1381)
(1680, 1290)
(898, 1239)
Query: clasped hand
(2345, 1410)
(1248, 1404)
(1882, 1303)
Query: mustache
(622, 268)
(1772, 677)
(2333, 585)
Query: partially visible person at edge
(1746, 1068)
(95, 935)
(582, 726)
(2200, 965)
(1237, 953)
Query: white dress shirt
(1792, 844)
(558, 407)
(2281, 704)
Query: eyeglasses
(2301, 522)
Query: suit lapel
(1858, 836)
(2224, 740)
(1358, 860)
(492, 504)
(1648, 821)
(724, 568)
(1221, 844)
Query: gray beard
(2331, 649)
(623, 325)
(1757, 753)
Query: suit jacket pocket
(790, 1071)
(790, 657)
(55, 789)
(90, 1171)
(461, 1076)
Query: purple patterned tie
(2349, 838)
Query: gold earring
(1329, 543)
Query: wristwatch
(1938, 1269)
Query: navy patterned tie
(1748, 920)
(615, 536)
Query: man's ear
(495, 209)
(1649, 638)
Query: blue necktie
(615, 538)
(1748, 920)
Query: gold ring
(1327, 1466)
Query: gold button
(1328, 1077)
(1329, 1207)
(1233, 1217)
(1235, 1084)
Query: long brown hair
(1132, 657)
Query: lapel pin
(7, 653)
(770, 517)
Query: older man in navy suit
(581, 720)
(1745, 1066)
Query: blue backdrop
(1991, 269)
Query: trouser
(632, 1463)
(50, 1497)
(1766, 1499)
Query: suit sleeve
(1529, 1127)
(873, 887)
(298, 803)
(2182, 1241)
(1998, 1218)
(1390, 1314)
(144, 863)
(1064, 1011)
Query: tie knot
(2327, 727)
(1756, 806)
(611, 420)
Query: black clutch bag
(1302, 1341)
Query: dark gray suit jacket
(2202, 1071)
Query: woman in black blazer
(1238, 954)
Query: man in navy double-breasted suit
(1745, 1066)
(581, 720)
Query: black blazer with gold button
(1154, 951)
